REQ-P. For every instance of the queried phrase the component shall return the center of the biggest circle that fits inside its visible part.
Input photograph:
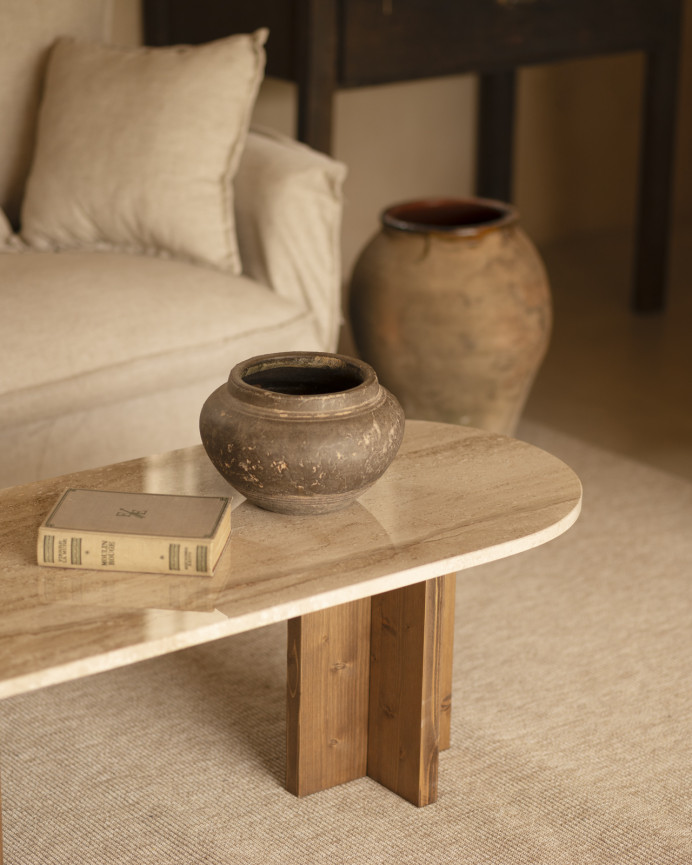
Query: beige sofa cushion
(105, 326)
(27, 31)
(137, 148)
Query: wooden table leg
(656, 164)
(449, 584)
(408, 628)
(495, 135)
(372, 693)
(327, 716)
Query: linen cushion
(137, 148)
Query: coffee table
(368, 593)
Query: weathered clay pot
(450, 304)
(303, 432)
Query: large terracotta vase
(450, 304)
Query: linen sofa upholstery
(107, 354)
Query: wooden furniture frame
(367, 593)
(324, 45)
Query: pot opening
(304, 380)
(448, 215)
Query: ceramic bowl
(301, 432)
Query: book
(121, 531)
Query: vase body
(301, 432)
(450, 304)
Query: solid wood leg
(327, 700)
(495, 135)
(448, 585)
(405, 705)
(655, 178)
(316, 59)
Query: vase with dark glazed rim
(450, 303)
(301, 432)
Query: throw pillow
(137, 148)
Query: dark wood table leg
(655, 179)
(327, 717)
(316, 56)
(409, 627)
(495, 137)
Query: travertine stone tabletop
(453, 498)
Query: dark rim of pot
(449, 216)
(304, 380)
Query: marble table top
(453, 498)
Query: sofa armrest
(288, 201)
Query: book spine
(95, 551)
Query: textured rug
(572, 722)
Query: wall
(576, 141)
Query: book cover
(123, 531)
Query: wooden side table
(328, 44)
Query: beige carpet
(572, 727)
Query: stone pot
(450, 304)
(301, 432)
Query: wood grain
(448, 585)
(327, 697)
(404, 726)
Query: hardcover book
(121, 531)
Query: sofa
(149, 237)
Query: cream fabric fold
(289, 205)
(6, 234)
